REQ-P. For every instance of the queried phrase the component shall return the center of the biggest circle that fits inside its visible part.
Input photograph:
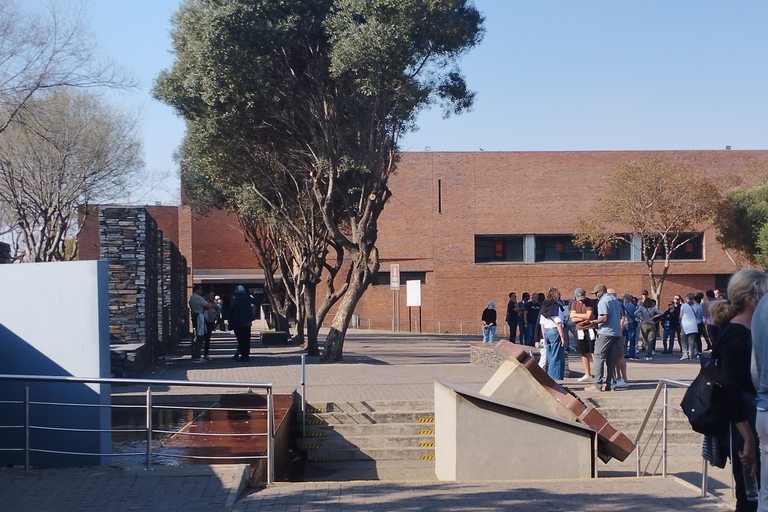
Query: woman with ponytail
(733, 355)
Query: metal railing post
(665, 402)
(149, 428)
(26, 427)
(303, 396)
(270, 438)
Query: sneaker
(634, 358)
(621, 383)
(592, 388)
(198, 360)
(585, 378)
(208, 358)
(684, 357)
(649, 358)
(236, 357)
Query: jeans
(569, 327)
(197, 340)
(762, 434)
(243, 335)
(688, 342)
(488, 332)
(555, 354)
(668, 334)
(530, 334)
(606, 348)
(207, 338)
(630, 333)
(521, 326)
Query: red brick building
(473, 227)
(452, 214)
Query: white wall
(55, 321)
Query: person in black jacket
(489, 322)
(240, 318)
(733, 355)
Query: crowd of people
(640, 326)
(731, 327)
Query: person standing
(630, 327)
(667, 330)
(674, 324)
(551, 320)
(759, 328)
(688, 328)
(240, 319)
(532, 309)
(608, 324)
(211, 318)
(647, 328)
(733, 355)
(197, 306)
(582, 313)
(521, 316)
(512, 316)
(489, 322)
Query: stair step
(338, 442)
(363, 453)
(367, 418)
(402, 470)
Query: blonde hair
(748, 282)
(553, 293)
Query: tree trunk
(358, 282)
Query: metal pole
(665, 396)
(149, 428)
(26, 427)
(398, 310)
(303, 397)
(393, 310)
(270, 438)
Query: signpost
(394, 285)
(413, 299)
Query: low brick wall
(129, 360)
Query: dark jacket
(733, 351)
(489, 316)
(241, 314)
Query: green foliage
(743, 223)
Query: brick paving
(377, 366)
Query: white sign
(394, 276)
(413, 296)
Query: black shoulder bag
(701, 403)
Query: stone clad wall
(5, 253)
(147, 287)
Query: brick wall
(513, 193)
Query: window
(383, 278)
(498, 248)
(692, 249)
(561, 248)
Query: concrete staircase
(394, 440)
(373, 440)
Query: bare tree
(65, 148)
(655, 206)
(48, 50)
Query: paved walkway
(377, 366)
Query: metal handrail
(148, 383)
(662, 388)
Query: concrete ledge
(128, 360)
(275, 338)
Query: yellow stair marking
(315, 434)
(426, 420)
(315, 409)
(311, 446)
(425, 445)
(321, 459)
(426, 432)
(315, 422)
(427, 457)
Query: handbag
(701, 402)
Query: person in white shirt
(551, 322)
(688, 328)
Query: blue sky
(549, 75)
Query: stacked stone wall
(5, 253)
